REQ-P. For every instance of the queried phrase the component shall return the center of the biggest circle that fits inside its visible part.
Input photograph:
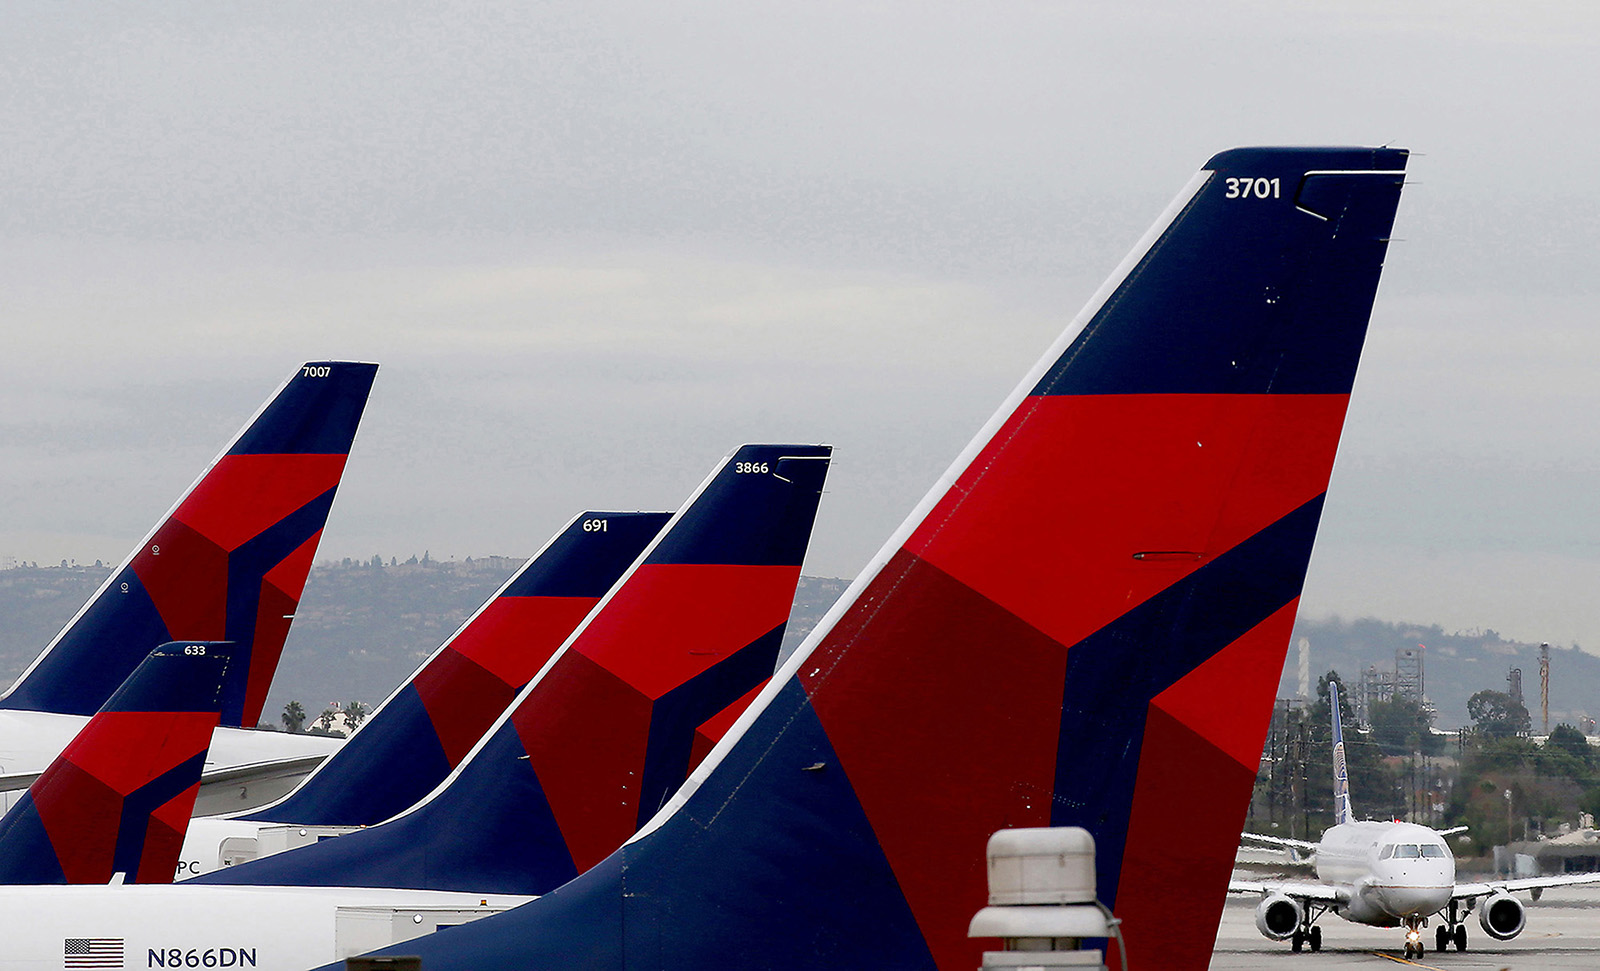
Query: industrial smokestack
(1544, 685)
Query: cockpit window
(1388, 851)
(1432, 852)
(1410, 851)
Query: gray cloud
(596, 245)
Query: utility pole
(1414, 811)
(1277, 757)
(1305, 768)
(1296, 751)
(1509, 835)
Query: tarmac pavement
(1563, 932)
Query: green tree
(1510, 754)
(294, 716)
(1320, 712)
(325, 721)
(1401, 726)
(354, 714)
(1566, 758)
(1498, 715)
(1570, 740)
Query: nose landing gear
(1414, 946)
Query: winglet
(228, 562)
(117, 799)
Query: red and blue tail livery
(427, 727)
(227, 563)
(614, 723)
(1083, 623)
(117, 800)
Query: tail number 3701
(1251, 188)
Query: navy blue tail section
(613, 726)
(228, 563)
(419, 735)
(118, 798)
(1084, 620)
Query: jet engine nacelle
(1278, 916)
(1501, 916)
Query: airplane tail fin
(1083, 623)
(228, 562)
(1342, 812)
(427, 727)
(118, 797)
(615, 721)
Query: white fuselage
(250, 928)
(31, 740)
(1394, 871)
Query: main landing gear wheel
(1297, 942)
(1316, 939)
(1453, 930)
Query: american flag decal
(92, 952)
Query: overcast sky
(596, 245)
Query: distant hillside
(361, 627)
(360, 630)
(1455, 666)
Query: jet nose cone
(1417, 896)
